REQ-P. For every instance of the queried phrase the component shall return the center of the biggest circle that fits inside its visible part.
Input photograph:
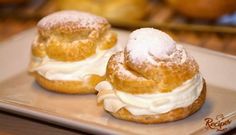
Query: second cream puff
(71, 50)
(153, 80)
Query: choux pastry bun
(153, 80)
(71, 50)
(111, 9)
(203, 9)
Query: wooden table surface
(11, 124)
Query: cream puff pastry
(71, 51)
(153, 80)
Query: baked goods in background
(153, 80)
(111, 9)
(71, 50)
(6, 2)
(203, 9)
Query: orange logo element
(219, 123)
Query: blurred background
(204, 23)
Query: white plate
(20, 94)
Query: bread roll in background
(203, 9)
(111, 9)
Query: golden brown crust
(107, 40)
(172, 115)
(127, 77)
(169, 73)
(72, 36)
(122, 78)
(70, 87)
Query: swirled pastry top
(72, 36)
(148, 42)
(151, 62)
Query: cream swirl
(150, 104)
(58, 70)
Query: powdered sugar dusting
(75, 19)
(149, 41)
(121, 70)
(151, 46)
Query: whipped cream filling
(150, 104)
(58, 70)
